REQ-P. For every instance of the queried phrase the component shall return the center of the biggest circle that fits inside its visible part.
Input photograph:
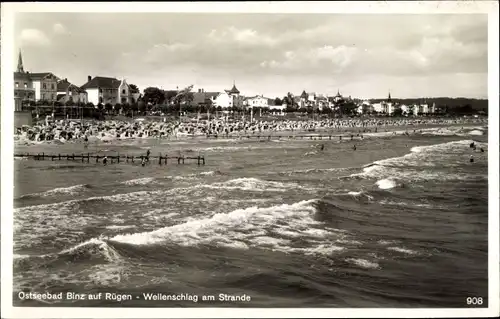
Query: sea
(384, 221)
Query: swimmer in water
(482, 150)
(471, 159)
(322, 147)
(143, 161)
(354, 147)
(105, 160)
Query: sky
(361, 55)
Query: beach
(399, 221)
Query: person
(143, 163)
(482, 150)
(105, 160)
(354, 147)
(472, 145)
(322, 147)
(471, 159)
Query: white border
(7, 87)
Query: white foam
(140, 181)
(363, 263)
(354, 193)
(119, 226)
(386, 183)
(403, 250)
(70, 190)
(476, 132)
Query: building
(68, 92)
(45, 84)
(202, 98)
(229, 98)
(24, 92)
(256, 101)
(106, 90)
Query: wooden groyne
(86, 158)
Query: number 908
(474, 300)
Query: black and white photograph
(235, 156)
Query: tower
(20, 67)
(389, 97)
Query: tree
(398, 112)
(108, 107)
(118, 107)
(100, 106)
(153, 95)
(169, 95)
(133, 88)
(278, 101)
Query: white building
(257, 101)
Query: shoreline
(316, 133)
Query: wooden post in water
(118, 158)
(166, 159)
(340, 137)
(330, 137)
(200, 159)
(88, 157)
(43, 155)
(73, 156)
(97, 158)
(59, 156)
(159, 159)
(203, 160)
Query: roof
(39, 76)
(22, 76)
(63, 85)
(202, 97)
(234, 90)
(102, 82)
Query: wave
(403, 250)
(363, 263)
(70, 190)
(140, 181)
(424, 163)
(258, 227)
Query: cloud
(59, 28)
(247, 36)
(318, 60)
(34, 37)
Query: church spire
(389, 98)
(20, 67)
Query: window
(123, 91)
(17, 84)
(43, 96)
(53, 86)
(53, 96)
(45, 85)
(15, 93)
